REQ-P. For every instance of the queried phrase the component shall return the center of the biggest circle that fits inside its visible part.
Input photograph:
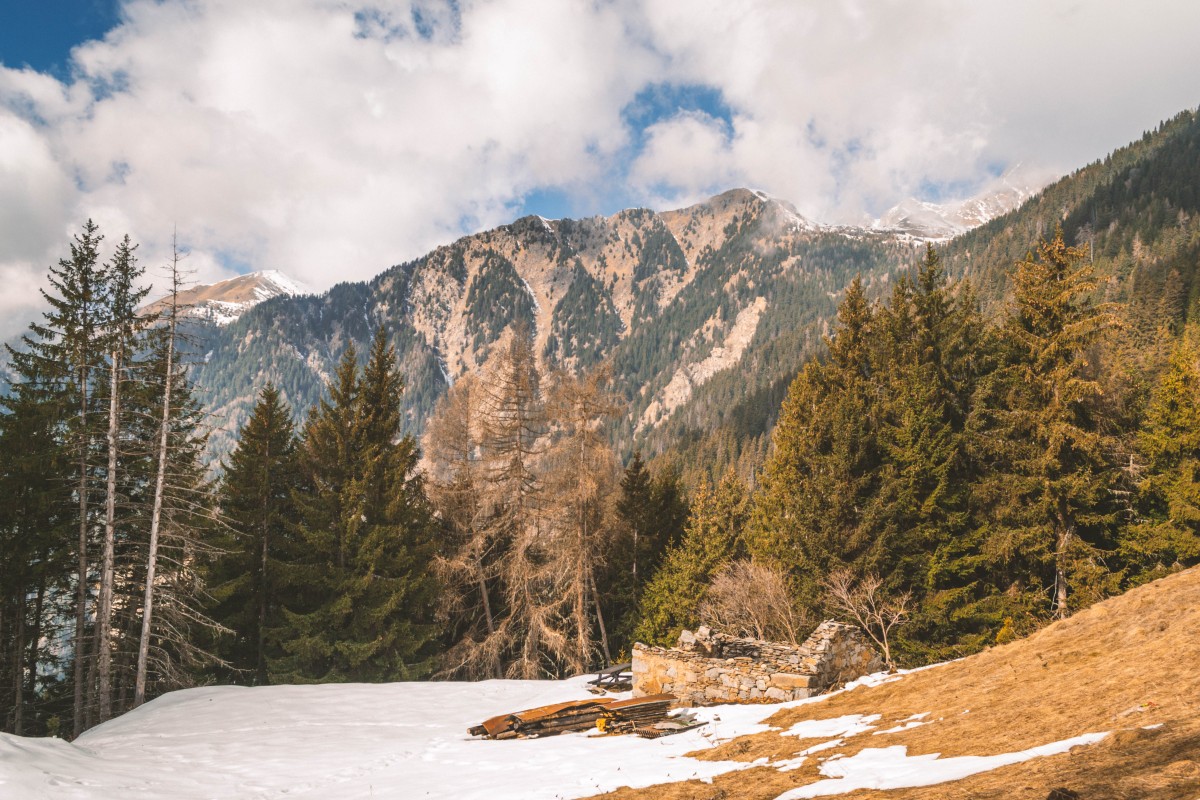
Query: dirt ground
(1124, 664)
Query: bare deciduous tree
(467, 564)
(583, 476)
(749, 598)
(862, 600)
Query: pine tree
(256, 500)
(712, 539)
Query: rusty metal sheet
(499, 724)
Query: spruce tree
(37, 531)
(711, 540)
(1045, 506)
(256, 500)
(64, 355)
(808, 514)
(1167, 533)
(363, 595)
(122, 328)
(651, 514)
(173, 512)
(929, 356)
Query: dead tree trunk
(139, 689)
(104, 608)
(81, 588)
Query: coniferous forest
(952, 473)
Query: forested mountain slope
(1136, 209)
(697, 309)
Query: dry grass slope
(1124, 664)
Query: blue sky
(41, 33)
(331, 138)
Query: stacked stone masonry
(709, 667)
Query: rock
(789, 680)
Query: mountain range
(676, 300)
(704, 313)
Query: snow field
(410, 740)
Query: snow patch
(915, 721)
(893, 768)
(537, 307)
(850, 725)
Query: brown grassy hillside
(1124, 664)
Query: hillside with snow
(1107, 700)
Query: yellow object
(600, 723)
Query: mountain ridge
(656, 293)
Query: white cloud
(849, 106)
(303, 136)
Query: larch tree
(467, 558)
(513, 423)
(583, 479)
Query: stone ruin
(709, 667)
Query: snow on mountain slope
(223, 302)
(925, 220)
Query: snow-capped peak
(224, 301)
(925, 220)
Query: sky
(330, 139)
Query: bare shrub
(863, 601)
(748, 598)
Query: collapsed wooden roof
(576, 715)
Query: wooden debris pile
(645, 716)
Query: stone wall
(708, 667)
